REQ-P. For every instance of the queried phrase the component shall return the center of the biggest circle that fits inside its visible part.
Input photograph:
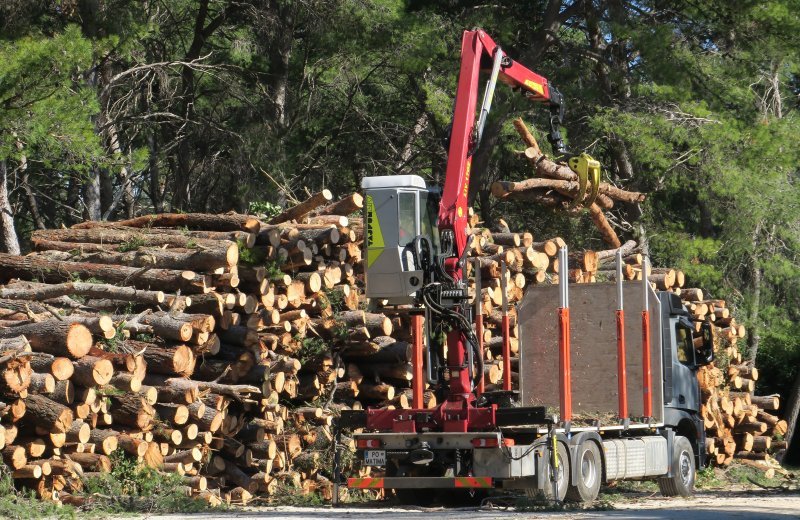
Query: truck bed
(593, 352)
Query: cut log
(767, 402)
(132, 410)
(348, 205)
(54, 337)
(299, 211)
(44, 412)
(201, 221)
(92, 371)
(35, 267)
(205, 259)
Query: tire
(681, 483)
(589, 469)
(562, 481)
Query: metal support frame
(564, 358)
(479, 321)
(647, 380)
(417, 383)
(622, 375)
(505, 328)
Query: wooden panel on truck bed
(594, 349)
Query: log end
(79, 340)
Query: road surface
(704, 506)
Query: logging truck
(598, 398)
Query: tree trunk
(8, 233)
(91, 195)
(792, 416)
(156, 190)
(756, 275)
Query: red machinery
(459, 413)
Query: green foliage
(132, 244)
(114, 343)
(312, 347)
(132, 487)
(263, 208)
(249, 256)
(24, 505)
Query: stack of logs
(220, 347)
(739, 425)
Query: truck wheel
(562, 477)
(589, 473)
(682, 481)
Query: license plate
(375, 457)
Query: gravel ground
(704, 506)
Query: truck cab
(682, 359)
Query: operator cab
(400, 217)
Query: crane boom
(477, 50)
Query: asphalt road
(705, 506)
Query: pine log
(168, 360)
(767, 402)
(299, 211)
(197, 259)
(36, 267)
(14, 456)
(104, 440)
(200, 221)
(132, 410)
(550, 169)
(92, 371)
(54, 337)
(41, 411)
(348, 205)
(129, 238)
(692, 295)
(91, 461)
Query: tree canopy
(110, 108)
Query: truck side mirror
(706, 355)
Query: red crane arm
(476, 46)
(477, 50)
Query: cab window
(685, 345)
(408, 218)
(429, 217)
